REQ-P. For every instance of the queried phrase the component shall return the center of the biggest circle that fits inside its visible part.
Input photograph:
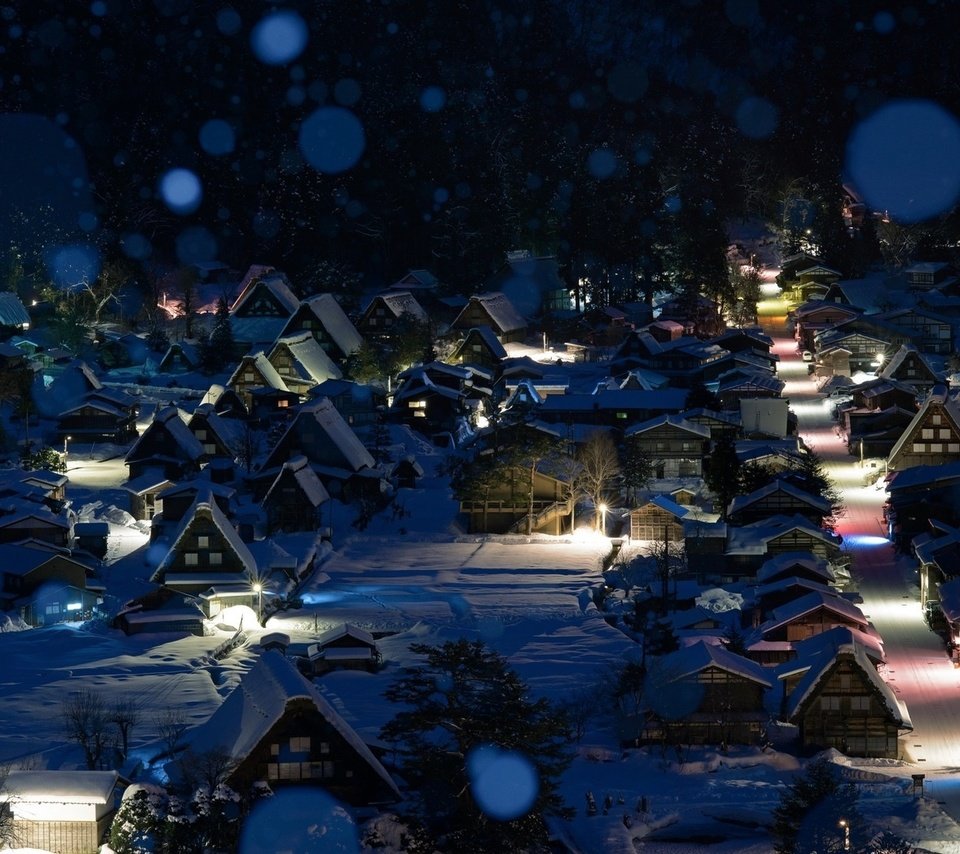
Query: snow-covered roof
(205, 506)
(499, 309)
(813, 601)
(336, 430)
(399, 303)
(310, 360)
(677, 421)
(60, 786)
(812, 679)
(938, 399)
(18, 559)
(695, 658)
(271, 280)
(261, 363)
(12, 311)
(168, 420)
(306, 479)
(326, 309)
(779, 485)
(489, 338)
(259, 701)
(345, 630)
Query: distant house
(327, 322)
(660, 519)
(87, 410)
(533, 283)
(263, 307)
(386, 310)
(45, 585)
(255, 371)
(435, 397)
(933, 436)
(705, 694)
(909, 366)
(294, 500)
(345, 647)
(181, 356)
(25, 521)
(302, 363)
(406, 472)
(929, 331)
(359, 404)
(496, 311)
(814, 317)
(64, 810)
(747, 547)
(480, 346)
(842, 702)
(336, 454)
(167, 445)
(676, 446)
(12, 312)
(778, 497)
(929, 275)
(219, 435)
(277, 728)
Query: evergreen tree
(138, 825)
(808, 818)
(636, 468)
(722, 473)
(221, 336)
(465, 707)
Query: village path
(917, 667)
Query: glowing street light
(66, 442)
(258, 589)
(846, 833)
(603, 518)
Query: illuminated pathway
(918, 667)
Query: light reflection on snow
(504, 783)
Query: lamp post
(258, 589)
(846, 833)
(603, 519)
(66, 442)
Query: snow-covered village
(457, 427)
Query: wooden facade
(676, 446)
(507, 506)
(932, 437)
(653, 521)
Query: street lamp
(258, 589)
(66, 441)
(603, 519)
(846, 833)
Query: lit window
(201, 434)
(283, 403)
(926, 433)
(274, 749)
(300, 744)
(191, 559)
(936, 448)
(203, 542)
(944, 434)
(216, 558)
(919, 447)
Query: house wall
(847, 714)
(653, 523)
(64, 836)
(327, 759)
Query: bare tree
(669, 559)
(171, 724)
(125, 715)
(86, 721)
(7, 837)
(599, 467)
(206, 769)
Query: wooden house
(917, 495)
(937, 553)
(533, 282)
(517, 506)
(181, 357)
(748, 546)
(336, 454)
(388, 311)
(910, 367)
(262, 308)
(294, 500)
(67, 811)
(867, 349)
(933, 436)
(144, 493)
(617, 408)
(28, 521)
(811, 614)
(929, 275)
(360, 404)
(219, 435)
(660, 519)
(929, 332)
(406, 472)
(812, 318)
(481, 347)
(676, 446)
(176, 500)
(777, 497)
(277, 728)
(45, 585)
(90, 412)
(207, 551)
(843, 703)
(255, 371)
(13, 313)
(168, 446)
(345, 647)
(302, 363)
(798, 564)
(496, 311)
(326, 321)
(225, 402)
(705, 694)
(435, 397)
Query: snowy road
(918, 667)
